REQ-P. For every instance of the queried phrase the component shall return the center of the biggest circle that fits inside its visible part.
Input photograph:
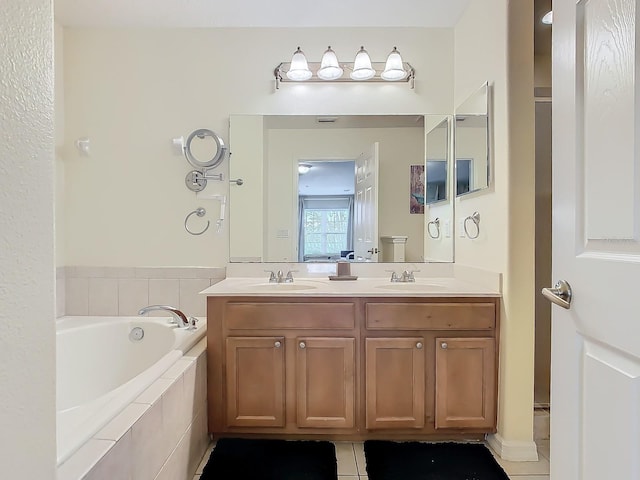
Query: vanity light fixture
(548, 18)
(329, 69)
(304, 168)
(393, 69)
(362, 69)
(299, 70)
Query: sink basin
(413, 287)
(280, 287)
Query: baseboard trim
(513, 450)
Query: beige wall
(399, 148)
(494, 41)
(27, 337)
(132, 91)
(542, 70)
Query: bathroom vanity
(352, 360)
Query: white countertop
(362, 287)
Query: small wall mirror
(437, 148)
(204, 148)
(321, 188)
(438, 236)
(472, 143)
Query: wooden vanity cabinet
(430, 364)
(395, 383)
(409, 367)
(285, 365)
(255, 386)
(325, 382)
(465, 383)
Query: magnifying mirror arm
(196, 180)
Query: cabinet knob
(303, 345)
(419, 345)
(278, 344)
(444, 345)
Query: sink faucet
(279, 277)
(406, 277)
(178, 317)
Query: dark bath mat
(430, 461)
(240, 458)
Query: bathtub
(103, 365)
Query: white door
(365, 223)
(595, 359)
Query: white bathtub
(100, 370)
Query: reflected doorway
(325, 209)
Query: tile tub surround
(123, 291)
(161, 435)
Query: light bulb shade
(299, 70)
(394, 69)
(362, 69)
(329, 67)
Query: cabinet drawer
(430, 316)
(308, 315)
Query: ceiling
(259, 13)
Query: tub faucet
(178, 317)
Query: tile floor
(351, 463)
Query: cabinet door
(395, 382)
(255, 381)
(465, 383)
(325, 382)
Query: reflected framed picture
(416, 197)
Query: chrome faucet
(406, 277)
(279, 277)
(178, 317)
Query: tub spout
(178, 317)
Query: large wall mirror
(472, 140)
(359, 187)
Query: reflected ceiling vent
(326, 119)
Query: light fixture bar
(281, 76)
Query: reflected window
(463, 176)
(436, 181)
(325, 227)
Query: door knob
(303, 345)
(277, 344)
(444, 345)
(560, 294)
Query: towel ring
(435, 222)
(475, 218)
(199, 212)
